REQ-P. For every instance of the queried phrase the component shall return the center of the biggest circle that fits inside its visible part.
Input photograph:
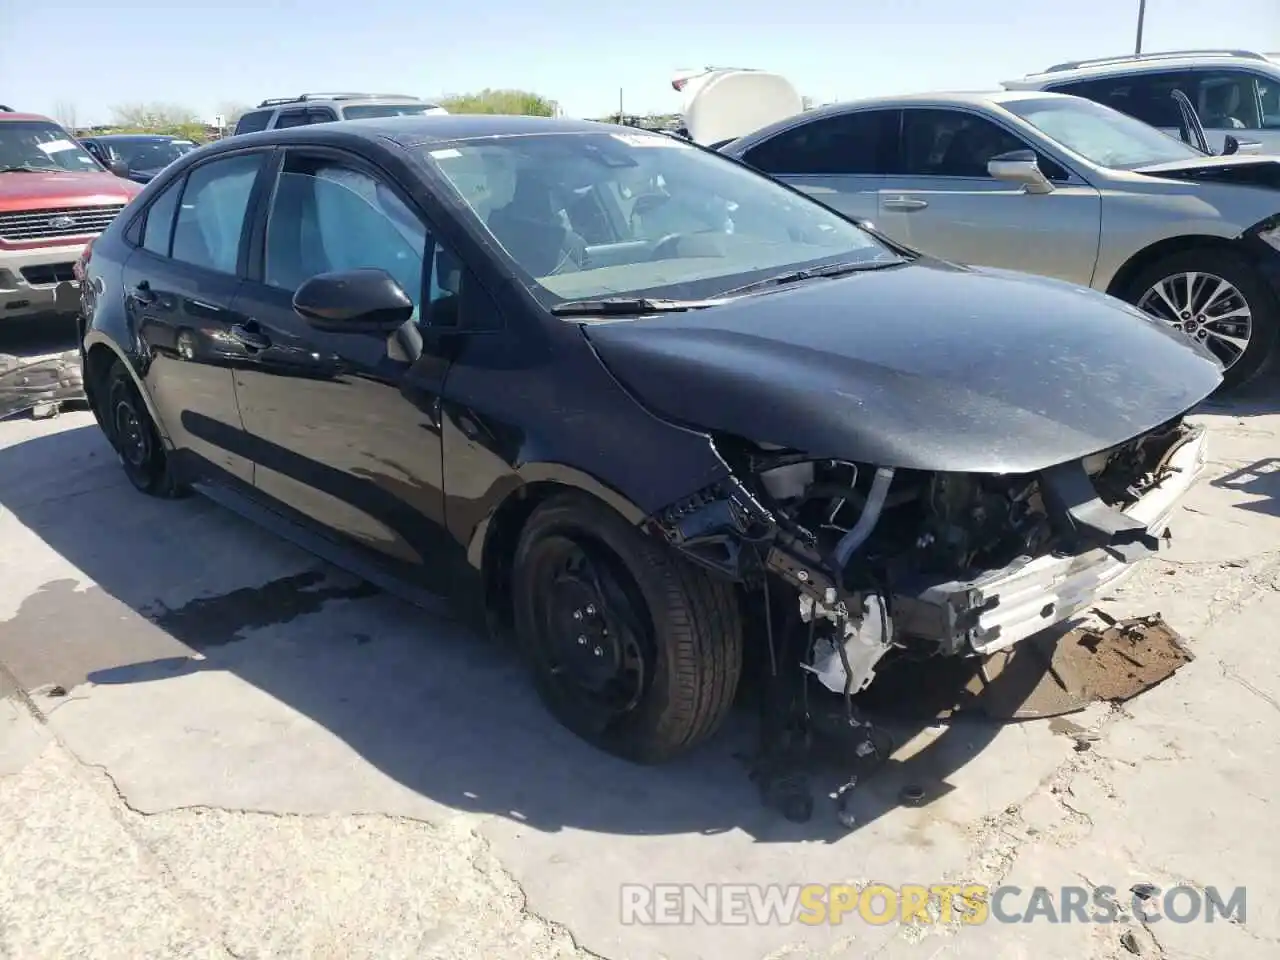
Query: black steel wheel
(133, 434)
(631, 647)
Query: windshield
(150, 154)
(366, 111)
(588, 215)
(41, 145)
(1101, 135)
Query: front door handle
(247, 335)
(143, 293)
(905, 203)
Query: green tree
(510, 102)
(152, 116)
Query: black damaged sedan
(667, 415)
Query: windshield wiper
(29, 168)
(810, 273)
(627, 306)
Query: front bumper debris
(1003, 607)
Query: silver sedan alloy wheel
(1206, 308)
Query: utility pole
(1142, 15)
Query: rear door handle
(249, 336)
(905, 203)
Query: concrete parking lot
(212, 745)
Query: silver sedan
(1059, 186)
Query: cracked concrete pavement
(212, 745)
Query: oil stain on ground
(213, 621)
(61, 633)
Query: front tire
(633, 648)
(134, 436)
(1217, 297)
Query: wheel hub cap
(592, 639)
(589, 651)
(1207, 309)
(131, 436)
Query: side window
(211, 217)
(157, 235)
(326, 217)
(1269, 100)
(851, 143)
(320, 115)
(253, 122)
(291, 118)
(953, 143)
(1225, 99)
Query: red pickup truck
(54, 198)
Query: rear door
(180, 287)
(838, 159)
(943, 201)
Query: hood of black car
(1244, 170)
(927, 367)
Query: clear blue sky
(96, 53)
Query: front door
(945, 203)
(180, 286)
(342, 429)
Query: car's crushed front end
(918, 461)
(934, 563)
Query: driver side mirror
(367, 300)
(119, 168)
(1020, 167)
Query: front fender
(541, 476)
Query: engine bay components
(850, 644)
(874, 562)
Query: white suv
(1235, 92)
(327, 107)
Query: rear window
(253, 122)
(367, 110)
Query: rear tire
(633, 648)
(133, 434)
(1212, 266)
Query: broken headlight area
(876, 558)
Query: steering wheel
(666, 248)
(574, 257)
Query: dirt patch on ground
(1123, 660)
(1045, 676)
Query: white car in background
(723, 103)
(1235, 92)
